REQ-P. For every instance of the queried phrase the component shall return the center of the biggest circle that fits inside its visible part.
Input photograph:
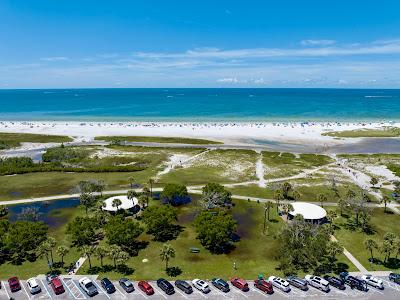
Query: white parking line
(119, 291)
(392, 285)
(213, 288)
(23, 286)
(338, 292)
(75, 287)
(5, 288)
(161, 293)
(258, 291)
(142, 293)
(44, 286)
(281, 293)
(199, 292)
(237, 291)
(101, 289)
(179, 292)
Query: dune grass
(155, 139)
(12, 140)
(357, 133)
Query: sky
(95, 43)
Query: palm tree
(385, 200)
(131, 181)
(278, 198)
(87, 251)
(296, 196)
(342, 203)
(268, 206)
(100, 253)
(151, 182)
(286, 187)
(331, 215)
(287, 207)
(142, 200)
(116, 203)
(146, 192)
(41, 251)
(50, 243)
(322, 199)
(167, 252)
(370, 245)
(132, 195)
(86, 200)
(374, 181)
(122, 257)
(62, 251)
(114, 252)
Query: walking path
(350, 256)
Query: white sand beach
(225, 131)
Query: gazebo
(310, 212)
(126, 204)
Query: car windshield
(33, 284)
(88, 285)
(128, 283)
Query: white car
(318, 282)
(88, 286)
(373, 281)
(201, 285)
(279, 283)
(33, 286)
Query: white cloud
(54, 58)
(317, 42)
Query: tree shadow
(168, 233)
(174, 271)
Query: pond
(52, 212)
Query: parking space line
(68, 288)
(298, 292)
(23, 286)
(44, 286)
(257, 291)
(338, 291)
(213, 288)
(200, 292)
(280, 292)
(142, 293)
(5, 288)
(237, 291)
(161, 293)
(119, 291)
(375, 290)
(392, 285)
(75, 287)
(179, 292)
(101, 289)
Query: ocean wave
(376, 96)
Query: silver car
(33, 286)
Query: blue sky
(59, 44)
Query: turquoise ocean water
(201, 104)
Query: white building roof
(126, 203)
(308, 211)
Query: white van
(318, 282)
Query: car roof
(32, 281)
(106, 280)
(56, 281)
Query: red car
(241, 284)
(57, 286)
(264, 286)
(14, 284)
(146, 287)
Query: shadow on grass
(174, 271)
(122, 269)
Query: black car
(354, 282)
(127, 285)
(165, 286)
(107, 285)
(335, 282)
(395, 277)
(298, 282)
(220, 284)
(184, 286)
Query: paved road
(74, 292)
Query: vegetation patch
(357, 133)
(12, 140)
(154, 139)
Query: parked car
(14, 284)
(354, 282)
(50, 276)
(335, 282)
(166, 286)
(298, 282)
(318, 282)
(240, 283)
(127, 285)
(395, 277)
(146, 288)
(201, 285)
(373, 281)
(264, 286)
(57, 286)
(33, 286)
(88, 286)
(107, 285)
(220, 284)
(184, 286)
(279, 283)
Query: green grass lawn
(15, 139)
(283, 164)
(353, 241)
(30, 269)
(221, 166)
(254, 253)
(155, 139)
(384, 132)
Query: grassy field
(254, 253)
(10, 140)
(221, 166)
(29, 269)
(283, 164)
(354, 240)
(384, 132)
(155, 139)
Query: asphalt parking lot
(74, 292)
